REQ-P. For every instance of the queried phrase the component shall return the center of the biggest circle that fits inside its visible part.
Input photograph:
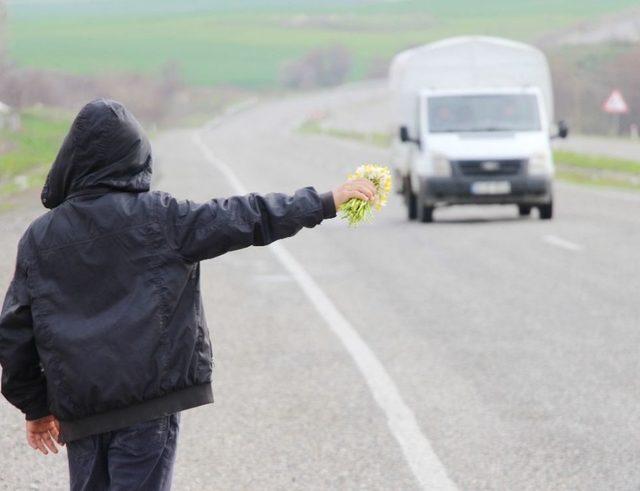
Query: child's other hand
(43, 433)
(358, 188)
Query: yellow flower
(356, 210)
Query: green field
(246, 42)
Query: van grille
(488, 168)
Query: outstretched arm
(203, 231)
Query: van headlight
(441, 165)
(540, 165)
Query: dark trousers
(139, 457)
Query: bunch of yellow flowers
(355, 211)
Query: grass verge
(597, 162)
(30, 151)
(598, 170)
(316, 127)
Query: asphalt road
(512, 343)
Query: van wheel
(524, 210)
(546, 211)
(411, 201)
(425, 214)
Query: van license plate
(491, 187)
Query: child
(103, 339)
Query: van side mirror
(406, 138)
(563, 129)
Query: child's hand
(43, 433)
(357, 188)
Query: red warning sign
(615, 104)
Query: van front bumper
(524, 190)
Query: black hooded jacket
(103, 325)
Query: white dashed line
(424, 463)
(562, 243)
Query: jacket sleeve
(23, 381)
(203, 231)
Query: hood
(463, 146)
(105, 148)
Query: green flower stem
(356, 211)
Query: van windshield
(490, 112)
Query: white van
(474, 117)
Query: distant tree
(581, 84)
(320, 67)
(170, 79)
(623, 74)
(378, 67)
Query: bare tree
(624, 75)
(318, 68)
(3, 32)
(378, 67)
(581, 84)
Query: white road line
(562, 243)
(424, 463)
